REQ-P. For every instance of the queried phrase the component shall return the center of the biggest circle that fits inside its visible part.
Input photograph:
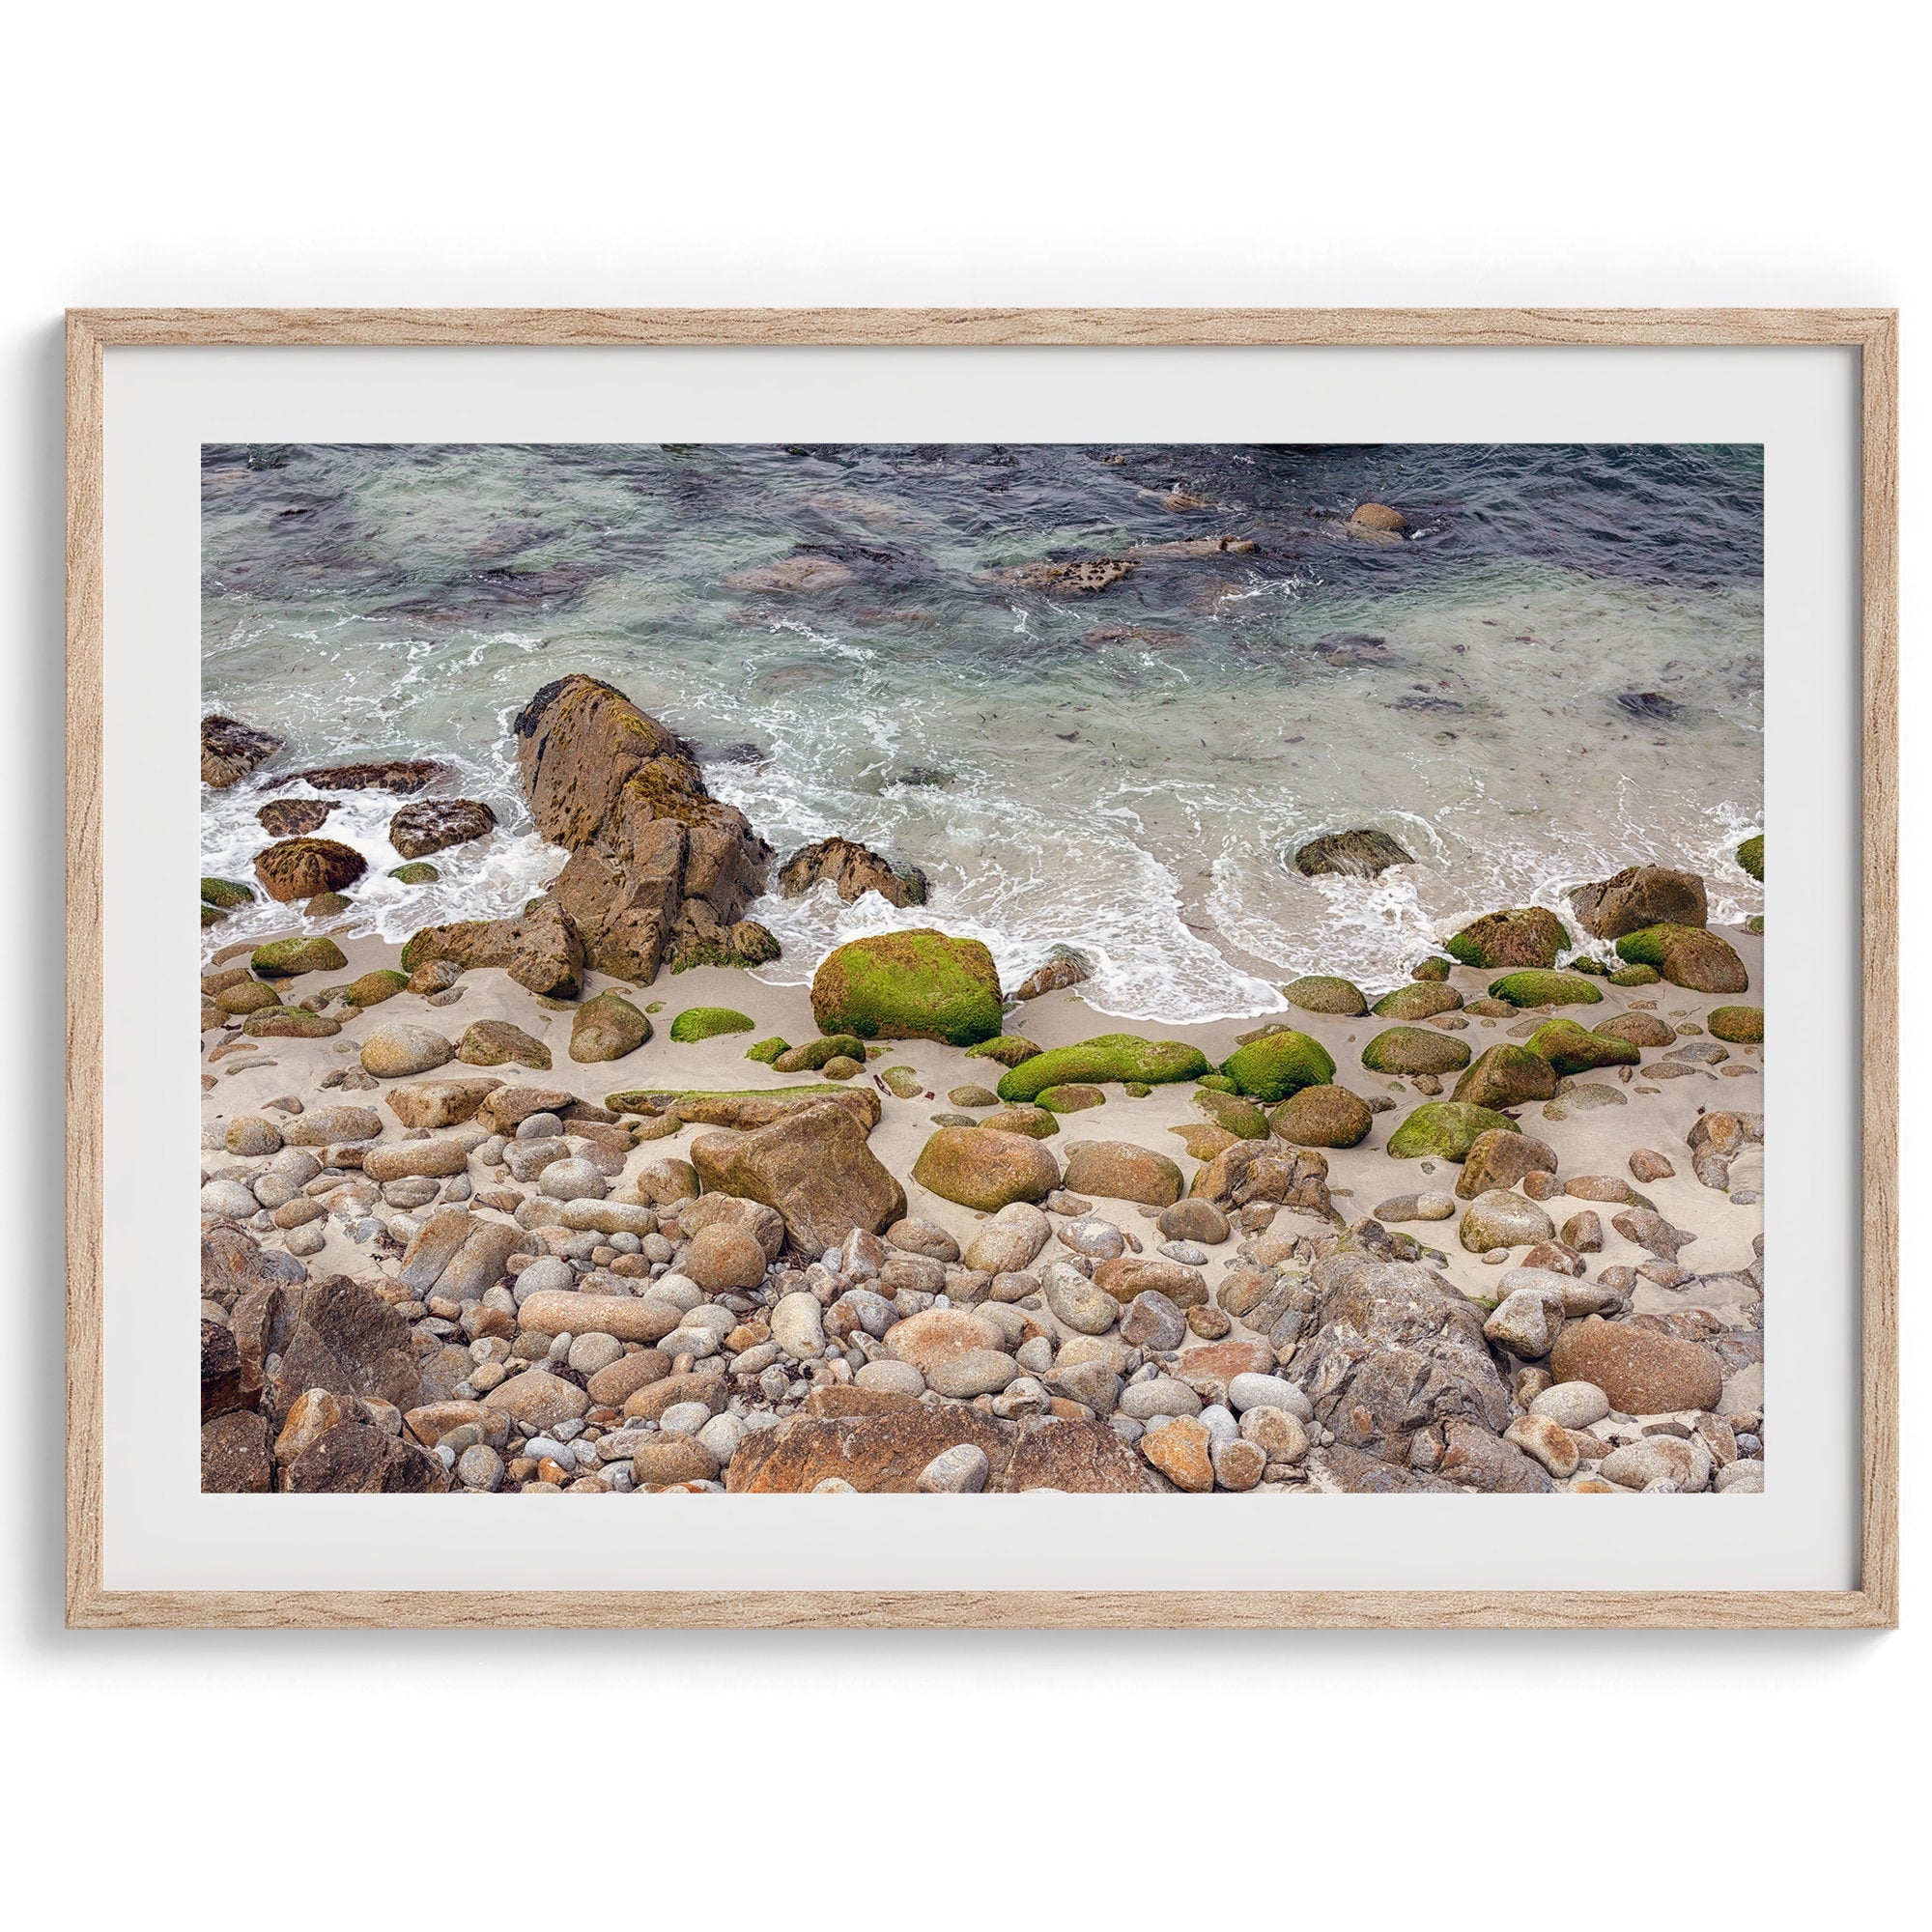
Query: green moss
(227, 894)
(1756, 923)
(1741, 1026)
(1136, 1090)
(909, 986)
(211, 915)
(1506, 1077)
(1218, 1083)
(904, 1083)
(1111, 1056)
(284, 958)
(1522, 936)
(1750, 855)
(1635, 976)
(1036, 1123)
(1321, 994)
(1239, 1117)
(384, 983)
(1648, 946)
(1007, 1048)
(817, 1053)
(1072, 1099)
(1434, 967)
(1282, 1064)
(1420, 999)
(655, 1099)
(1444, 1130)
(1414, 1050)
(1572, 1049)
(1545, 989)
(767, 1050)
(417, 873)
(697, 1023)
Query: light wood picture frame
(1872, 333)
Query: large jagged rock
(656, 866)
(1637, 896)
(852, 870)
(1294, 1177)
(1392, 1350)
(813, 1166)
(230, 749)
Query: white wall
(993, 153)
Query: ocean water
(1555, 675)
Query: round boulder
(395, 1051)
(985, 1168)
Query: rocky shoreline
(568, 1203)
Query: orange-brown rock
(540, 949)
(230, 749)
(432, 824)
(1637, 896)
(298, 868)
(886, 1452)
(1641, 1372)
(814, 1167)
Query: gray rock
(1572, 1405)
(545, 1275)
(592, 1352)
(1746, 1475)
(1250, 1391)
(1076, 1301)
(977, 1371)
(797, 1324)
(901, 1377)
(1010, 1240)
(1159, 1395)
(685, 1418)
(961, 1470)
(228, 1198)
(573, 1180)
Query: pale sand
(1600, 1141)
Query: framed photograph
(1010, 968)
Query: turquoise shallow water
(1561, 675)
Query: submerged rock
(292, 818)
(1065, 968)
(852, 870)
(1362, 854)
(230, 749)
(432, 824)
(298, 868)
(1637, 896)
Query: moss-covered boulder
(903, 1083)
(1278, 1064)
(909, 986)
(1241, 1118)
(985, 1168)
(1545, 989)
(1635, 975)
(1071, 1098)
(1420, 999)
(1750, 855)
(1412, 1050)
(384, 983)
(1321, 993)
(1506, 1077)
(1218, 1083)
(1109, 1055)
(1687, 956)
(1007, 1048)
(1573, 1049)
(1323, 1117)
(1743, 1026)
(286, 959)
(327, 905)
(211, 915)
(697, 1023)
(289, 1023)
(1444, 1130)
(1036, 1123)
(607, 1026)
(247, 996)
(416, 872)
(227, 894)
(1521, 936)
(1434, 967)
(766, 1051)
(816, 1053)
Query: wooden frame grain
(1872, 332)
